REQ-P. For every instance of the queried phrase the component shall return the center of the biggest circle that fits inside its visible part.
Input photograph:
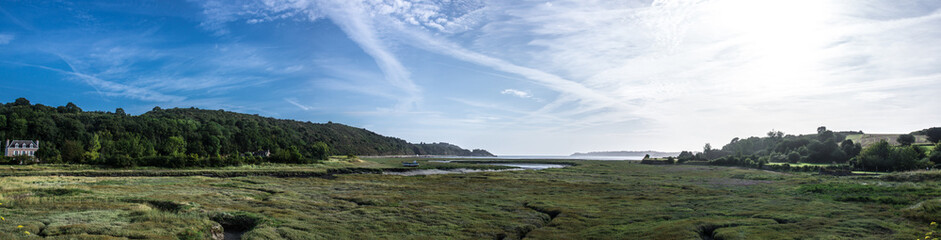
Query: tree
(72, 152)
(851, 149)
(775, 134)
(821, 129)
(685, 156)
(321, 151)
(119, 112)
(935, 154)
(21, 102)
(934, 134)
(72, 108)
(883, 157)
(874, 157)
(129, 146)
(93, 147)
(175, 146)
(48, 153)
(905, 139)
(793, 157)
(825, 135)
(18, 128)
(287, 155)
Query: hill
(68, 134)
(868, 139)
(448, 149)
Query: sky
(512, 77)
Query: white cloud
(114, 89)
(706, 70)
(6, 38)
(517, 93)
(293, 101)
(351, 16)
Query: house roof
(25, 142)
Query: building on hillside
(21, 148)
(264, 153)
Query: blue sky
(513, 77)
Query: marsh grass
(593, 199)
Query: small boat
(410, 164)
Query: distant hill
(68, 134)
(448, 150)
(626, 153)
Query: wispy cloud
(5, 38)
(517, 93)
(356, 22)
(293, 101)
(113, 89)
(617, 74)
(351, 16)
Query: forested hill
(448, 150)
(76, 135)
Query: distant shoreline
(626, 154)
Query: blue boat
(410, 164)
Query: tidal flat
(586, 200)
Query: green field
(869, 139)
(592, 199)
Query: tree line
(183, 137)
(824, 147)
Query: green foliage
(69, 134)
(443, 148)
(72, 151)
(934, 134)
(793, 157)
(586, 201)
(884, 157)
(935, 155)
(288, 155)
(685, 156)
(850, 148)
(175, 146)
(906, 139)
(321, 151)
(820, 148)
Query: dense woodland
(825, 147)
(191, 137)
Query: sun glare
(781, 41)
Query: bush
(883, 157)
(905, 139)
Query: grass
(590, 200)
(869, 139)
